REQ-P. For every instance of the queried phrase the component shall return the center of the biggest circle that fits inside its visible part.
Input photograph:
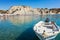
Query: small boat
(46, 30)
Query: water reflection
(10, 31)
(18, 19)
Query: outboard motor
(47, 20)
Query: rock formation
(28, 10)
(3, 11)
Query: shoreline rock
(29, 10)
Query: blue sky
(6, 4)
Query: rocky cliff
(29, 10)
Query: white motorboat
(46, 30)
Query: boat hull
(42, 38)
(49, 35)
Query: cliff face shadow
(29, 34)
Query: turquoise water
(14, 29)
